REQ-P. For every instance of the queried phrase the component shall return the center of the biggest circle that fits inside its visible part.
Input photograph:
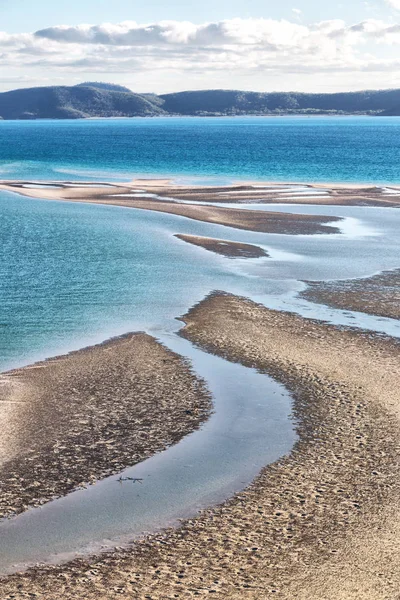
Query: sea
(336, 149)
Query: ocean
(318, 149)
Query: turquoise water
(353, 149)
(75, 274)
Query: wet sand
(378, 295)
(250, 220)
(240, 193)
(92, 413)
(321, 523)
(224, 247)
(310, 194)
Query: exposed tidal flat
(93, 412)
(321, 522)
(377, 295)
(81, 273)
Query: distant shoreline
(216, 116)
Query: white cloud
(394, 4)
(235, 51)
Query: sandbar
(92, 413)
(250, 220)
(224, 247)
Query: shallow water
(75, 274)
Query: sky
(161, 47)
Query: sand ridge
(250, 220)
(92, 413)
(224, 247)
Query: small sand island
(224, 247)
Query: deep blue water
(337, 149)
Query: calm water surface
(357, 149)
(74, 274)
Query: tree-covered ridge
(61, 102)
(237, 102)
(96, 99)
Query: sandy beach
(92, 413)
(321, 523)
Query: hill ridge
(97, 99)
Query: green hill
(96, 99)
(237, 102)
(75, 102)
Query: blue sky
(305, 45)
(26, 15)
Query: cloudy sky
(158, 46)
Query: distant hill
(81, 101)
(392, 112)
(111, 87)
(239, 103)
(97, 99)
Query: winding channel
(249, 428)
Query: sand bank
(253, 220)
(250, 220)
(92, 413)
(322, 523)
(224, 247)
(240, 193)
(377, 295)
(282, 193)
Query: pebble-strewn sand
(320, 524)
(92, 413)
(377, 295)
